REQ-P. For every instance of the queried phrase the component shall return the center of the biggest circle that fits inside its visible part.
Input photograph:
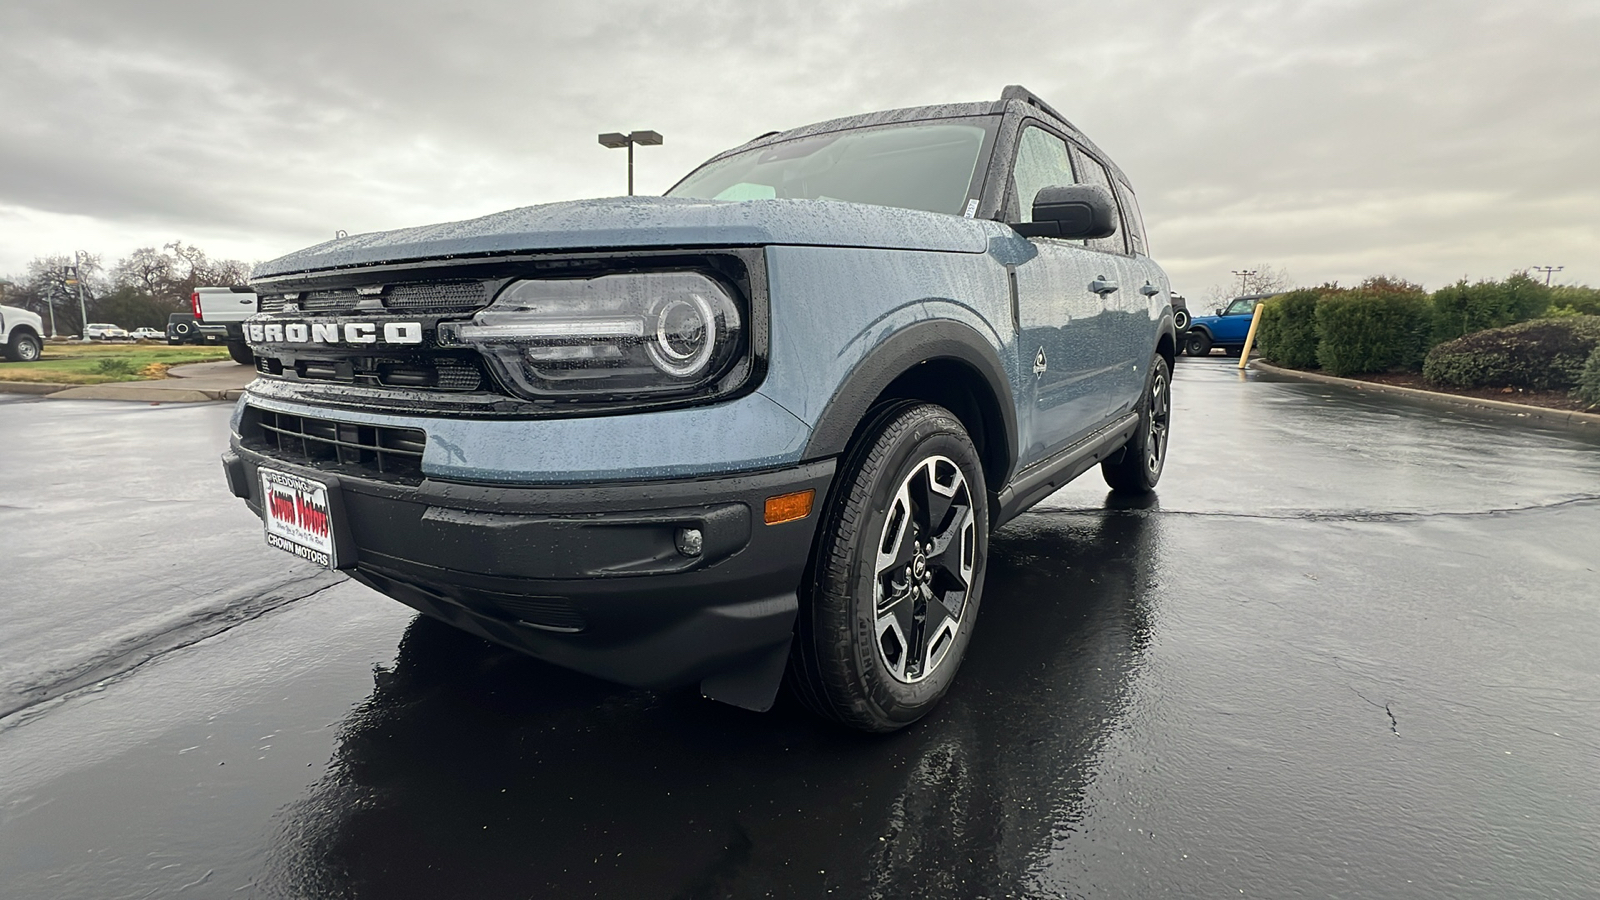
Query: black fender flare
(925, 341)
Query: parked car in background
(219, 314)
(181, 329)
(21, 334)
(104, 331)
(1180, 314)
(757, 429)
(146, 333)
(1227, 329)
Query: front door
(1064, 324)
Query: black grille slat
(371, 449)
(323, 301)
(437, 295)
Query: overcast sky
(1430, 140)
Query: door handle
(1149, 290)
(1102, 286)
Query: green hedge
(1372, 330)
(1574, 300)
(1287, 334)
(1588, 389)
(1545, 354)
(1462, 308)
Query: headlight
(627, 334)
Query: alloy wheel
(923, 569)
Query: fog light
(789, 507)
(690, 542)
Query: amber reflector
(788, 507)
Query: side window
(1042, 162)
(1094, 173)
(1133, 219)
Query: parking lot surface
(1349, 650)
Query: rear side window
(1042, 161)
(1133, 220)
(1091, 172)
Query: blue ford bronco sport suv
(756, 430)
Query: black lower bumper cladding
(654, 583)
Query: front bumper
(589, 577)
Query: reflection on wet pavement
(527, 778)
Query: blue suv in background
(1227, 329)
(755, 431)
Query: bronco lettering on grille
(334, 332)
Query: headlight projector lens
(683, 336)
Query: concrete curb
(145, 395)
(31, 387)
(206, 382)
(1581, 422)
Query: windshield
(919, 165)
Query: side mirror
(1219, 311)
(1071, 211)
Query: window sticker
(972, 208)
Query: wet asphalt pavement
(1352, 649)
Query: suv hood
(658, 222)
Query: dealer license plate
(297, 516)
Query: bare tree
(1257, 279)
(148, 271)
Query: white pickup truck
(20, 334)
(219, 313)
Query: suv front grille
(393, 453)
(438, 295)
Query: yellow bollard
(1250, 339)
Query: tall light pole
(1548, 271)
(616, 140)
(75, 276)
(1243, 275)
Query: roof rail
(1018, 92)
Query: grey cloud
(1427, 139)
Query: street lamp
(1244, 276)
(616, 140)
(73, 276)
(1548, 271)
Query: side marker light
(789, 507)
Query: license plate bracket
(302, 516)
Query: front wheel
(241, 353)
(1139, 467)
(1197, 344)
(898, 573)
(23, 348)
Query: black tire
(871, 665)
(241, 353)
(1180, 320)
(1234, 352)
(1198, 343)
(24, 347)
(1137, 469)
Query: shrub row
(1542, 355)
(1389, 323)
(1289, 328)
(1588, 389)
(1383, 324)
(1372, 331)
